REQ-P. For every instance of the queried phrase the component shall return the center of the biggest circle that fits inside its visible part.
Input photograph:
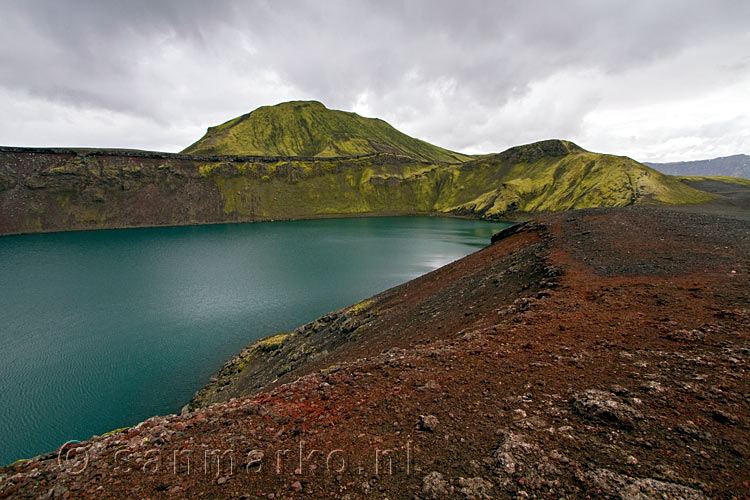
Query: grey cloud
(188, 62)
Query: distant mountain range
(733, 166)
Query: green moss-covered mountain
(555, 175)
(308, 128)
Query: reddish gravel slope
(598, 353)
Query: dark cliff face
(76, 189)
(67, 190)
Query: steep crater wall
(46, 189)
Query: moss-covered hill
(308, 128)
(556, 175)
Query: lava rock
(475, 488)
(428, 423)
(435, 487)
(605, 406)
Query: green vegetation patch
(720, 178)
(361, 307)
(272, 342)
(114, 431)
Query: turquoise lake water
(103, 329)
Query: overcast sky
(655, 80)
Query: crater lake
(103, 329)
